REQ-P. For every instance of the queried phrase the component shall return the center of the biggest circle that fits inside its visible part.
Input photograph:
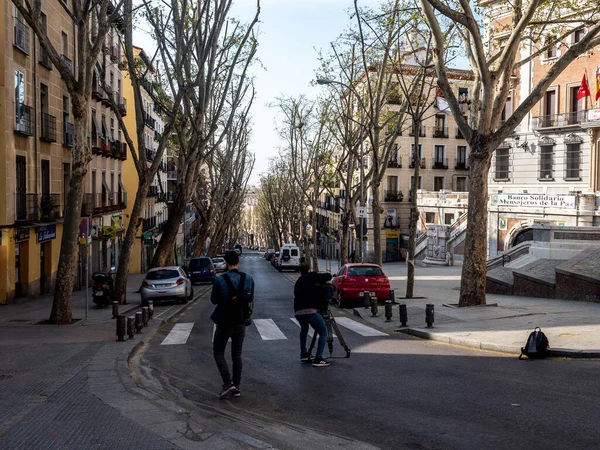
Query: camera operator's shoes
(227, 391)
(237, 392)
(306, 359)
(320, 362)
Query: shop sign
(593, 115)
(391, 235)
(46, 233)
(147, 235)
(534, 200)
(22, 234)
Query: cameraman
(309, 299)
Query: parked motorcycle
(102, 287)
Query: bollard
(392, 295)
(403, 314)
(115, 306)
(120, 327)
(138, 322)
(130, 323)
(429, 315)
(145, 316)
(366, 299)
(388, 310)
(373, 306)
(150, 309)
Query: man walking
(308, 301)
(233, 293)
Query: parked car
(262, 249)
(238, 248)
(269, 254)
(202, 270)
(290, 257)
(166, 283)
(274, 259)
(219, 264)
(352, 280)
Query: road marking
(268, 330)
(311, 331)
(359, 328)
(179, 334)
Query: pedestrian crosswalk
(269, 330)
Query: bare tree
(494, 66)
(105, 14)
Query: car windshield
(218, 260)
(199, 263)
(369, 271)
(162, 274)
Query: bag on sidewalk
(536, 346)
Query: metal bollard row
(132, 324)
(403, 314)
(388, 310)
(429, 315)
(120, 328)
(115, 309)
(374, 306)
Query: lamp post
(324, 82)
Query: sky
(291, 33)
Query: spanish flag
(597, 83)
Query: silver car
(220, 265)
(166, 283)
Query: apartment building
(155, 212)
(549, 169)
(35, 153)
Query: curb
(424, 333)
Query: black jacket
(307, 294)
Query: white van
(289, 257)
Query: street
(394, 391)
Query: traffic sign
(147, 235)
(361, 211)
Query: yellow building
(155, 212)
(36, 138)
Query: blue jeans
(316, 321)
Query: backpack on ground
(536, 346)
(238, 308)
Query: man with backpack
(233, 293)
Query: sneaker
(227, 391)
(237, 392)
(320, 362)
(306, 359)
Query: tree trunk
(120, 288)
(163, 252)
(472, 287)
(62, 306)
(314, 255)
(376, 222)
(410, 272)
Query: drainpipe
(35, 115)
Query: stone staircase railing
(512, 254)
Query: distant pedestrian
(308, 301)
(233, 293)
(353, 256)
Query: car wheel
(191, 294)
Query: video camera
(325, 296)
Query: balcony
(68, 62)
(421, 132)
(97, 93)
(572, 119)
(45, 59)
(48, 131)
(106, 150)
(149, 224)
(115, 53)
(440, 163)
(123, 155)
(68, 135)
(122, 107)
(393, 195)
(24, 120)
(162, 167)
(50, 209)
(149, 121)
(157, 136)
(459, 134)
(461, 164)
(95, 204)
(147, 85)
(21, 36)
(395, 163)
(153, 191)
(115, 149)
(172, 175)
(591, 118)
(27, 207)
(423, 163)
(157, 109)
(440, 132)
(150, 154)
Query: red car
(353, 280)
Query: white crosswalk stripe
(179, 334)
(268, 330)
(359, 328)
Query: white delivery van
(289, 257)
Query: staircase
(457, 233)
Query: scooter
(102, 288)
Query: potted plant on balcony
(48, 206)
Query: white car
(220, 265)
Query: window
(21, 33)
(461, 157)
(448, 219)
(461, 184)
(507, 111)
(94, 184)
(439, 161)
(418, 182)
(412, 154)
(438, 183)
(546, 162)
(64, 39)
(551, 52)
(575, 106)
(502, 160)
(429, 217)
(112, 129)
(573, 162)
(549, 116)
(440, 126)
(45, 179)
(19, 99)
(578, 35)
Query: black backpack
(238, 307)
(536, 346)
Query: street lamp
(323, 82)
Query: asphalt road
(394, 392)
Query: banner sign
(46, 233)
(534, 200)
(22, 234)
